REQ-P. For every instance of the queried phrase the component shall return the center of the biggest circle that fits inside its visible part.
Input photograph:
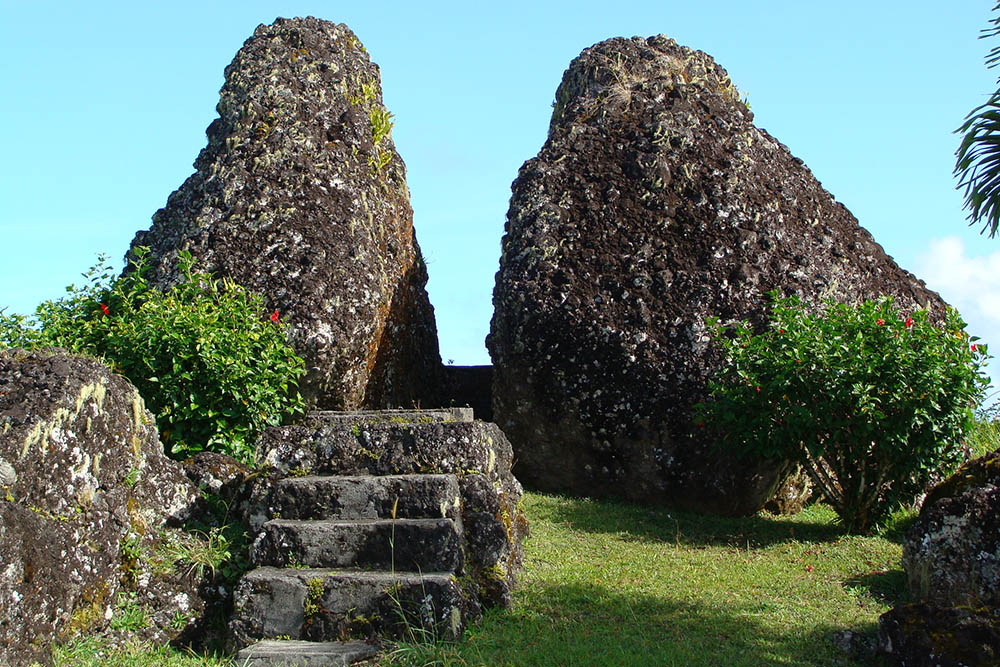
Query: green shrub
(204, 355)
(871, 402)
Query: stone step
(319, 417)
(416, 545)
(326, 605)
(292, 653)
(380, 449)
(366, 497)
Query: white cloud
(970, 284)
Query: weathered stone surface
(91, 489)
(216, 474)
(290, 653)
(654, 204)
(361, 497)
(477, 453)
(398, 416)
(927, 635)
(301, 196)
(951, 554)
(323, 604)
(411, 545)
(792, 495)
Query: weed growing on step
(314, 597)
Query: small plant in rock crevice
(872, 402)
(208, 362)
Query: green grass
(611, 583)
(97, 652)
(985, 437)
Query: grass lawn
(610, 583)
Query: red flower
(880, 322)
(809, 568)
(973, 348)
(275, 315)
(758, 388)
(909, 322)
(781, 331)
(105, 310)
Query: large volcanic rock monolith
(653, 204)
(301, 196)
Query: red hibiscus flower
(275, 316)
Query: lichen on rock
(654, 204)
(301, 196)
(89, 474)
(951, 554)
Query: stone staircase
(352, 552)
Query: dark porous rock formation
(927, 635)
(951, 554)
(87, 495)
(654, 204)
(475, 452)
(300, 196)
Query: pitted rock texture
(926, 635)
(477, 453)
(90, 477)
(951, 554)
(654, 204)
(301, 197)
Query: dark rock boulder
(951, 554)
(927, 635)
(301, 197)
(87, 493)
(655, 203)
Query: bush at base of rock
(207, 358)
(894, 392)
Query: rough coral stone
(655, 203)
(951, 554)
(927, 635)
(477, 453)
(301, 197)
(90, 473)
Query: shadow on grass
(686, 528)
(590, 625)
(887, 586)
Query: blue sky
(106, 105)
